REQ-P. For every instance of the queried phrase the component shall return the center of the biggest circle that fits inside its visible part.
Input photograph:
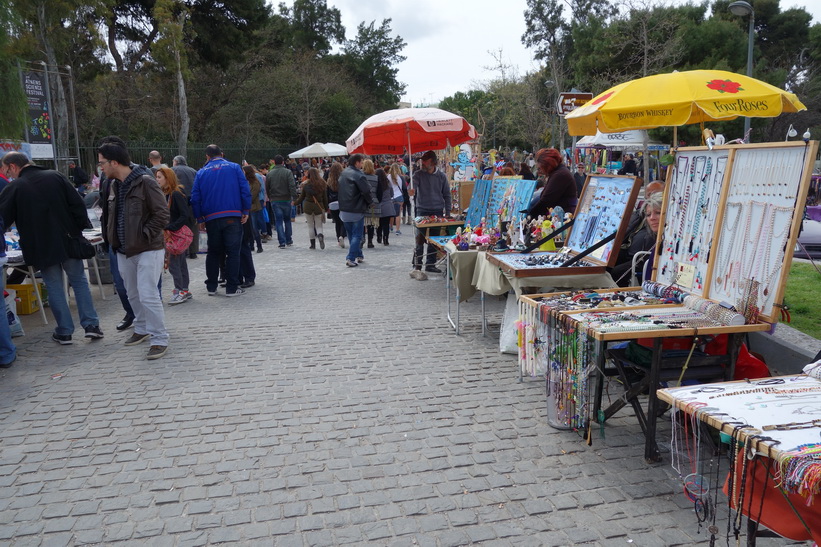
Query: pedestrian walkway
(327, 406)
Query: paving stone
(399, 433)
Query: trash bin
(560, 408)
(104, 265)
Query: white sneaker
(178, 298)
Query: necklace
(700, 210)
(725, 256)
(777, 241)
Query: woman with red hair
(559, 188)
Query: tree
(14, 118)
(373, 56)
(171, 44)
(549, 35)
(314, 26)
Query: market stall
(773, 477)
(729, 220)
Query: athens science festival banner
(38, 124)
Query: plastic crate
(26, 301)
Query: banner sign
(38, 124)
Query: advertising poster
(38, 124)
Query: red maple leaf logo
(725, 86)
(601, 99)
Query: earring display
(603, 210)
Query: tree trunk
(185, 119)
(59, 106)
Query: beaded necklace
(724, 257)
(700, 210)
(777, 241)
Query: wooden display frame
(745, 165)
(586, 203)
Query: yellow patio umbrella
(680, 98)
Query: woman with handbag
(333, 201)
(313, 196)
(398, 198)
(386, 207)
(176, 234)
(374, 211)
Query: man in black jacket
(47, 209)
(354, 198)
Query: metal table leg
(447, 295)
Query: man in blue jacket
(221, 199)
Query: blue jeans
(258, 219)
(247, 272)
(8, 351)
(224, 240)
(53, 278)
(354, 231)
(118, 281)
(282, 218)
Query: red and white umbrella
(416, 129)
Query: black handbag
(79, 247)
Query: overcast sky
(449, 43)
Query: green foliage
(802, 295)
(314, 26)
(14, 118)
(372, 57)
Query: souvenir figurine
(546, 228)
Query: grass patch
(803, 296)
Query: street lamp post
(742, 8)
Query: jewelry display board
(478, 202)
(507, 197)
(730, 223)
(499, 198)
(693, 196)
(604, 208)
(764, 204)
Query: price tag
(685, 275)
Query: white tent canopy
(634, 139)
(319, 150)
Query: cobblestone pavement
(328, 406)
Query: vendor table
(15, 261)
(470, 272)
(779, 421)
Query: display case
(604, 209)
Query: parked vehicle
(810, 239)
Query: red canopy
(414, 129)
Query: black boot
(313, 244)
(385, 240)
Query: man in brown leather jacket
(137, 214)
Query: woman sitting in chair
(643, 240)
